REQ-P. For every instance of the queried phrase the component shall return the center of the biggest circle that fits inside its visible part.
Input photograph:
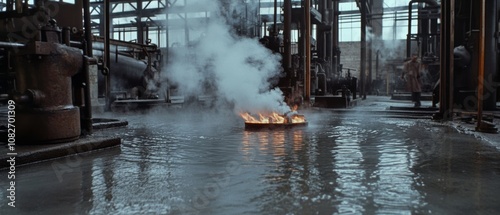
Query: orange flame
(273, 118)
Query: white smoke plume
(234, 69)
(388, 48)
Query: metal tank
(44, 100)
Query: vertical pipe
(275, 22)
(387, 81)
(287, 30)
(307, 69)
(265, 28)
(88, 28)
(370, 51)
(66, 36)
(335, 38)
(491, 53)
(19, 6)
(186, 28)
(140, 26)
(408, 36)
(256, 22)
(259, 21)
(87, 119)
(245, 22)
(107, 51)
(480, 88)
(10, 5)
(328, 39)
(370, 67)
(376, 64)
(394, 28)
(167, 31)
(146, 30)
(321, 32)
(363, 48)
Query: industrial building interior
(249, 107)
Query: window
(349, 22)
(394, 21)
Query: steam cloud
(234, 69)
(389, 48)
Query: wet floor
(176, 163)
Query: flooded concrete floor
(172, 162)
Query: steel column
(447, 58)
(307, 65)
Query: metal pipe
(186, 25)
(307, 69)
(480, 88)
(167, 31)
(265, 28)
(321, 32)
(66, 36)
(88, 27)
(107, 58)
(19, 6)
(87, 118)
(335, 38)
(275, 27)
(158, 33)
(370, 66)
(10, 45)
(287, 31)
(491, 54)
(376, 63)
(363, 49)
(140, 24)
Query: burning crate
(273, 120)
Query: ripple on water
(340, 164)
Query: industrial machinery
(135, 68)
(46, 76)
(469, 34)
(311, 67)
(49, 66)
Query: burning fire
(274, 118)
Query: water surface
(173, 162)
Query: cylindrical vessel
(43, 75)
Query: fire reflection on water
(276, 140)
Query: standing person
(411, 70)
